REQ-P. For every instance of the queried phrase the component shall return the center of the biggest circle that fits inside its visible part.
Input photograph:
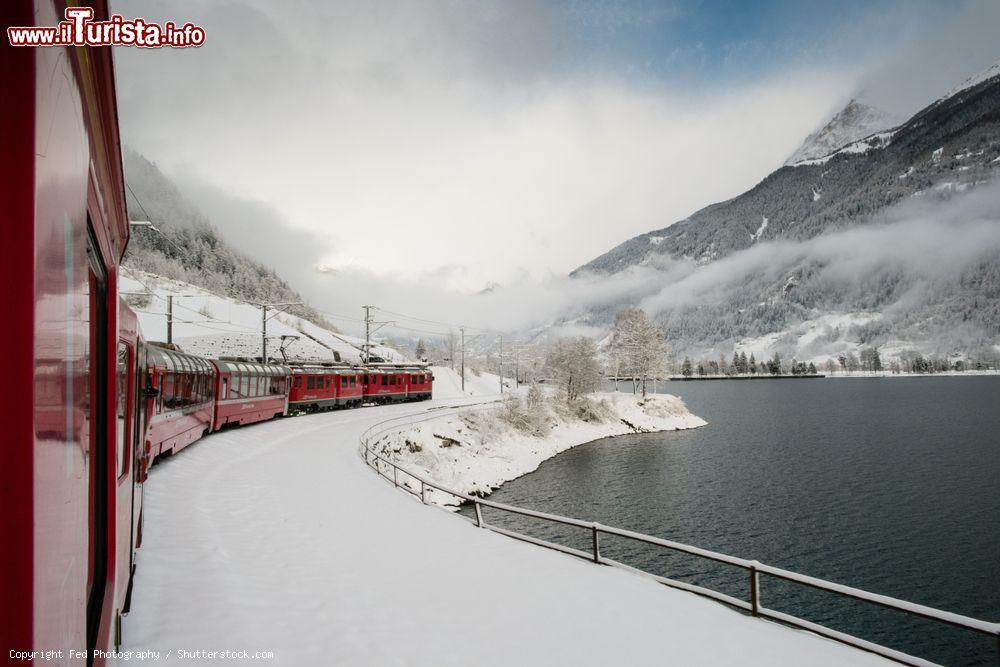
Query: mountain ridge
(765, 269)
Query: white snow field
(276, 537)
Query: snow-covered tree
(639, 345)
(421, 349)
(573, 363)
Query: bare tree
(573, 363)
(640, 345)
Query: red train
(88, 404)
(194, 396)
(317, 388)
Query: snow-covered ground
(276, 537)
(448, 383)
(476, 450)
(214, 326)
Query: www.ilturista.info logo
(80, 29)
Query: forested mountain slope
(188, 248)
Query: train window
(121, 393)
(310, 382)
(244, 385)
(385, 380)
(329, 381)
(168, 390)
(298, 382)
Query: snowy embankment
(277, 538)
(477, 450)
(214, 326)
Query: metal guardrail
(753, 568)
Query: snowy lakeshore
(478, 449)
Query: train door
(143, 406)
(97, 451)
(124, 480)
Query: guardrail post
(479, 515)
(597, 543)
(754, 589)
(423, 492)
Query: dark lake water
(887, 484)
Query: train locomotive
(89, 404)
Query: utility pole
(462, 329)
(170, 319)
(516, 369)
(278, 307)
(368, 334)
(500, 359)
(371, 327)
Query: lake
(887, 484)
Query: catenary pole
(170, 318)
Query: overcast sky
(470, 143)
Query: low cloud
(465, 134)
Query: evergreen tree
(686, 367)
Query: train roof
(175, 360)
(228, 366)
(327, 370)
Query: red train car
(184, 407)
(396, 384)
(133, 406)
(68, 482)
(420, 384)
(316, 388)
(249, 392)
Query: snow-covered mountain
(855, 121)
(849, 247)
